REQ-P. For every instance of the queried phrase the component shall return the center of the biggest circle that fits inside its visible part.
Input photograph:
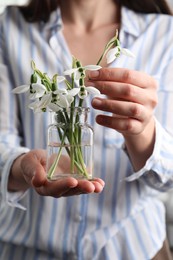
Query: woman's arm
(28, 171)
(131, 97)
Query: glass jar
(70, 145)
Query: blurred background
(171, 3)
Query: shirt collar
(55, 21)
(132, 22)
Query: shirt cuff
(11, 198)
(156, 171)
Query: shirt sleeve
(158, 170)
(11, 198)
(11, 137)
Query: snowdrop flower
(40, 104)
(65, 97)
(55, 101)
(58, 79)
(80, 71)
(21, 89)
(114, 53)
(36, 90)
(84, 91)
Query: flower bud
(54, 86)
(33, 78)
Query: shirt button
(78, 218)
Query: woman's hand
(28, 170)
(131, 97)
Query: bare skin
(85, 20)
(28, 170)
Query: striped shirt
(127, 220)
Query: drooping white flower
(114, 53)
(37, 91)
(65, 97)
(80, 71)
(38, 105)
(60, 79)
(21, 89)
(85, 91)
(54, 107)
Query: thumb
(33, 165)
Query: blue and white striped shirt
(127, 220)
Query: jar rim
(73, 109)
(77, 109)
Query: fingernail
(96, 102)
(90, 83)
(93, 74)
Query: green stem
(55, 164)
(73, 135)
(71, 141)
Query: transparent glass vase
(70, 145)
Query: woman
(134, 148)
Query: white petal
(38, 87)
(21, 89)
(60, 91)
(83, 94)
(110, 59)
(35, 95)
(36, 106)
(92, 67)
(54, 107)
(73, 92)
(45, 101)
(62, 102)
(77, 75)
(70, 71)
(127, 52)
(113, 52)
(93, 90)
(60, 79)
(70, 99)
(39, 90)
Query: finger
(99, 181)
(122, 75)
(128, 109)
(98, 186)
(122, 125)
(57, 188)
(125, 91)
(86, 187)
(118, 90)
(70, 187)
(33, 167)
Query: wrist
(16, 181)
(140, 147)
